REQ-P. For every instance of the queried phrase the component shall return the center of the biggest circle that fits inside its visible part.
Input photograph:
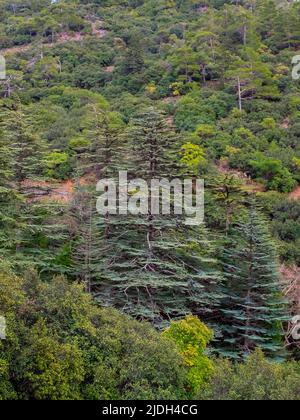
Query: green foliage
(286, 227)
(51, 370)
(278, 177)
(87, 83)
(162, 258)
(193, 158)
(192, 337)
(257, 379)
(54, 162)
(195, 109)
(61, 346)
(268, 123)
(254, 308)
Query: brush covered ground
(107, 308)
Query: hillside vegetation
(142, 307)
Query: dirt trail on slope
(41, 191)
(295, 195)
(59, 191)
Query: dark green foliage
(26, 148)
(9, 198)
(254, 309)
(159, 88)
(61, 346)
(284, 216)
(168, 266)
(256, 380)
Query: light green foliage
(268, 123)
(77, 143)
(205, 130)
(296, 162)
(56, 158)
(56, 162)
(192, 337)
(253, 75)
(193, 157)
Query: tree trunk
(239, 94)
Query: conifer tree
(88, 246)
(9, 197)
(254, 308)
(103, 155)
(155, 267)
(26, 147)
(228, 195)
(133, 59)
(37, 231)
(99, 159)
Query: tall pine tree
(254, 308)
(156, 267)
(9, 197)
(34, 232)
(99, 158)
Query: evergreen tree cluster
(144, 305)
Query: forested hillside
(148, 307)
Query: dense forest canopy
(160, 88)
